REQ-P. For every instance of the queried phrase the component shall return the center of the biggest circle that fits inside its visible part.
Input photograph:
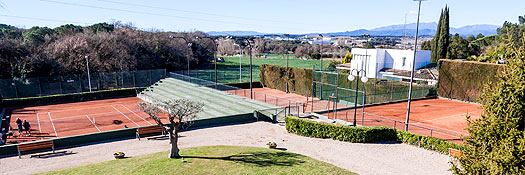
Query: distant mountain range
(425, 29)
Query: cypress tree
(434, 56)
(444, 37)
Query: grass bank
(213, 160)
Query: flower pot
(119, 155)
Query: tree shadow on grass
(260, 159)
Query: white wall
(369, 64)
(379, 59)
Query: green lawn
(274, 60)
(228, 71)
(213, 160)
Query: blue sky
(277, 16)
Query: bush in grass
(352, 134)
(429, 143)
(496, 144)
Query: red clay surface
(282, 99)
(72, 119)
(441, 118)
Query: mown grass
(212, 160)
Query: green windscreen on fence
(330, 85)
(67, 84)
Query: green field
(213, 160)
(228, 71)
(233, 61)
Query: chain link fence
(333, 85)
(45, 86)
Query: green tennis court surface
(216, 103)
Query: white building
(390, 63)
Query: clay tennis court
(282, 99)
(442, 118)
(79, 118)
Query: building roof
(421, 73)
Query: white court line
(38, 120)
(94, 124)
(445, 117)
(135, 114)
(52, 124)
(78, 108)
(125, 115)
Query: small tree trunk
(174, 138)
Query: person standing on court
(27, 127)
(19, 124)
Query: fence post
(395, 122)
(150, 78)
(265, 98)
(16, 89)
(61, 81)
(134, 83)
(80, 80)
(40, 86)
(430, 132)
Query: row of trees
(261, 46)
(42, 51)
(477, 48)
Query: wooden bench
(40, 145)
(148, 130)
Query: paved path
(360, 158)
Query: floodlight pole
(356, 95)
(251, 73)
(413, 66)
(321, 52)
(89, 76)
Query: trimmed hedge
(465, 80)
(309, 128)
(69, 98)
(430, 143)
(352, 134)
(300, 80)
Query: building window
(404, 61)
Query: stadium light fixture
(354, 74)
(407, 120)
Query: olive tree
(181, 114)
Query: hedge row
(352, 134)
(69, 98)
(465, 80)
(430, 143)
(299, 80)
(309, 128)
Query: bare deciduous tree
(181, 114)
(226, 47)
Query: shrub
(496, 144)
(352, 134)
(430, 143)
